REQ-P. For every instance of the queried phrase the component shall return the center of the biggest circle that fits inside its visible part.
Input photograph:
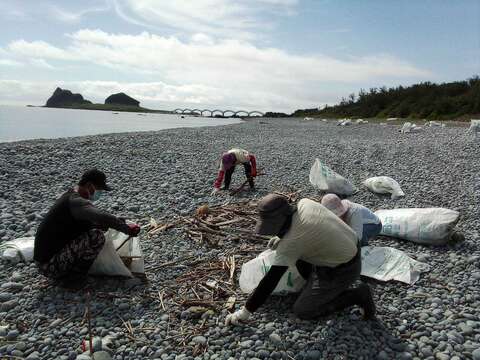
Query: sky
(266, 55)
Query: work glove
(237, 317)
(134, 230)
(215, 191)
(273, 242)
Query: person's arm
(265, 287)
(219, 180)
(84, 210)
(253, 161)
(259, 295)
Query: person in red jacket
(70, 236)
(230, 159)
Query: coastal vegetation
(454, 100)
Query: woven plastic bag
(428, 226)
(254, 271)
(325, 179)
(384, 185)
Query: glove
(134, 230)
(215, 191)
(237, 317)
(273, 242)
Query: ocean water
(24, 123)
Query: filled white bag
(325, 179)
(474, 126)
(254, 271)
(386, 263)
(109, 262)
(428, 226)
(20, 249)
(384, 185)
(409, 127)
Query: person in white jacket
(362, 220)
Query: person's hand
(273, 242)
(134, 230)
(215, 191)
(238, 317)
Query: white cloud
(75, 16)
(217, 18)
(9, 62)
(210, 72)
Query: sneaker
(366, 301)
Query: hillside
(455, 100)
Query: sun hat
(333, 203)
(273, 211)
(228, 160)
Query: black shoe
(365, 301)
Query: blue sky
(277, 55)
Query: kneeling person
(325, 251)
(70, 236)
(362, 220)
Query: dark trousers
(248, 174)
(76, 257)
(325, 287)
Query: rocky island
(63, 98)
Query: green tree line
(454, 100)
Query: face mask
(97, 195)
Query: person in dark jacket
(70, 236)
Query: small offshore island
(63, 98)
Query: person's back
(58, 227)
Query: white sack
(428, 226)
(384, 185)
(108, 261)
(474, 126)
(254, 271)
(325, 179)
(20, 249)
(386, 263)
(409, 127)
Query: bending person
(362, 220)
(230, 159)
(324, 250)
(70, 236)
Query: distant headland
(63, 98)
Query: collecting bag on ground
(386, 263)
(384, 185)
(325, 179)
(254, 271)
(428, 226)
(125, 261)
(20, 249)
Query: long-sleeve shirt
(357, 216)
(317, 237)
(70, 216)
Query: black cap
(97, 178)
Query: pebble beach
(168, 173)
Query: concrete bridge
(213, 113)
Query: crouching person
(70, 236)
(230, 159)
(325, 251)
(362, 220)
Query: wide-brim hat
(273, 211)
(228, 160)
(333, 203)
